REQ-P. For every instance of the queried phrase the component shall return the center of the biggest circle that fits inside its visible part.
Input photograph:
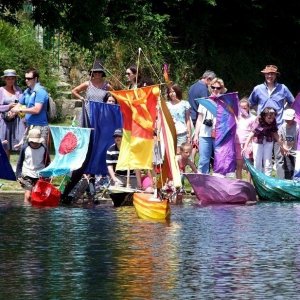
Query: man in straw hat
(276, 95)
(33, 158)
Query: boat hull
(273, 189)
(45, 194)
(150, 208)
(219, 190)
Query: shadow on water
(102, 252)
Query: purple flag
(227, 112)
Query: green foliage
(20, 50)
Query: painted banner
(71, 146)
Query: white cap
(288, 114)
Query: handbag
(9, 116)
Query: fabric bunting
(6, 171)
(71, 146)
(138, 108)
(105, 119)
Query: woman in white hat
(12, 127)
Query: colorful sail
(209, 104)
(225, 108)
(105, 118)
(71, 146)
(227, 112)
(296, 107)
(6, 171)
(170, 168)
(138, 108)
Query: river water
(101, 252)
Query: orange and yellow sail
(138, 107)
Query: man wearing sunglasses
(34, 104)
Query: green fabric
(273, 189)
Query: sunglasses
(128, 74)
(29, 78)
(215, 88)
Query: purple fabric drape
(227, 112)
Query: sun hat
(97, 67)
(118, 132)
(288, 114)
(270, 69)
(9, 72)
(35, 136)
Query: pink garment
(244, 128)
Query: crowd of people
(266, 126)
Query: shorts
(27, 183)
(181, 138)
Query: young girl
(263, 135)
(244, 127)
(180, 112)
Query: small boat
(273, 189)
(45, 194)
(121, 196)
(149, 207)
(220, 190)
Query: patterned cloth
(95, 94)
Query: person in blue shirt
(198, 89)
(36, 99)
(275, 95)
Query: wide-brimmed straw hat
(97, 67)
(270, 69)
(9, 73)
(35, 136)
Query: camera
(208, 122)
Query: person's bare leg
(27, 197)
(239, 169)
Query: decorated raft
(217, 190)
(150, 207)
(273, 189)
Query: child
(184, 160)
(109, 99)
(288, 134)
(263, 135)
(244, 128)
(33, 158)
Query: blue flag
(105, 119)
(71, 146)
(6, 171)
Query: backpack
(51, 109)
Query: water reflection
(228, 252)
